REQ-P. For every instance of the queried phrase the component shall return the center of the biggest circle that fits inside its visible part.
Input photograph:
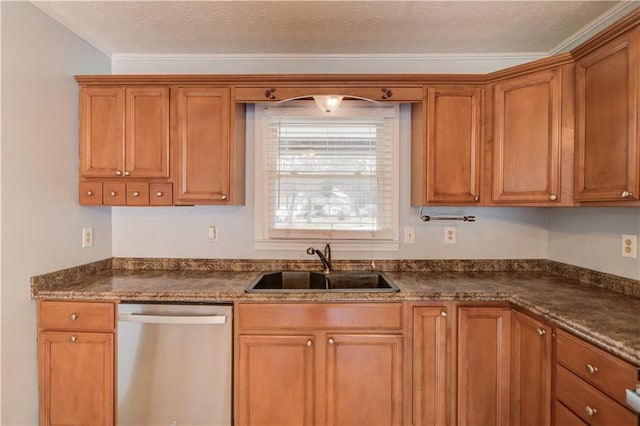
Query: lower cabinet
(322, 364)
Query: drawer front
(57, 315)
(160, 194)
(137, 194)
(352, 316)
(565, 417)
(91, 193)
(606, 372)
(588, 403)
(114, 194)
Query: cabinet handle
(73, 338)
(626, 194)
(553, 197)
(118, 173)
(476, 198)
(73, 316)
(127, 173)
(592, 369)
(541, 331)
(590, 411)
(309, 343)
(112, 193)
(159, 194)
(331, 341)
(443, 313)
(89, 193)
(223, 197)
(136, 194)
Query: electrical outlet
(87, 237)
(409, 235)
(630, 246)
(449, 235)
(213, 234)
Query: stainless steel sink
(306, 281)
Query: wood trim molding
(626, 23)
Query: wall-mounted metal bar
(427, 218)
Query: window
(321, 176)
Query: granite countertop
(592, 310)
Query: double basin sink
(307, 281)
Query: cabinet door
(527, 138)
(530, 371)
(102, 131)
(203, 145)
(275, 380)
(147, 132)
(76, 378)
(483, 365)
(431, 342)
(607, 164)
(364, 380)
(451, 160)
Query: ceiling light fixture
(328, 103)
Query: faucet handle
(327, 252)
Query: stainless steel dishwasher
(174, 364)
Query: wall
(41, 218)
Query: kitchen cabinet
(315, 363)
(607, 140)
(532, 138)
(446, 147)
(483, 342)
(531, 366)
(209, 141)
(591, 383)
(76, 362)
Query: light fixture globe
(328, 103)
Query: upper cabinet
(210, 164)
(532, 137)
(445, 147)
(607, 140)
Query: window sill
(302, 245)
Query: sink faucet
(324, 258)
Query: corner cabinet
(315, 363)
(445, 147)
(607, 139)
(76, 363)
(209, 144)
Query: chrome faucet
(324, 258)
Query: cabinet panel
(607, 144)
(203, 145)
(364, 379)
(276, 380)
(527, 138)
(76, 378)
(483, 365)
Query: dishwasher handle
(173, 319)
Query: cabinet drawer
(56, 315)
(160, 194)
(114, 194)
(565, 417)
(137, 194)
(91, 193)
(352, 316)
(588, 403)
(606, 372)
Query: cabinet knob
(331, 341)
(223, 197)
(626, 194)
(553, 197)
(309, 343)
(112, 193)
(136, 194)
(89, 193)
(541, 331)
(159, 194)
(127, 173)
(118, 173)
(476, 198)
(590, 410)
(73, 317)
(443, 313)
(73, 338)
(592, 369)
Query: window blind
(330, 175)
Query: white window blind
(330, 176)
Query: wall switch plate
(409, 235)
(630, 246)
(450, 235)
(213, 234)
(87, 237)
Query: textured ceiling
(325, 27)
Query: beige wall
(41, 219)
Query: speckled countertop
(591, 305)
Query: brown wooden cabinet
(209, 146)
(76, 362)
(483, 365)
(532, 138)
(607, 139)
(338, 364)
(445, 147)
(531, 365)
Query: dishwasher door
(174, 364)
